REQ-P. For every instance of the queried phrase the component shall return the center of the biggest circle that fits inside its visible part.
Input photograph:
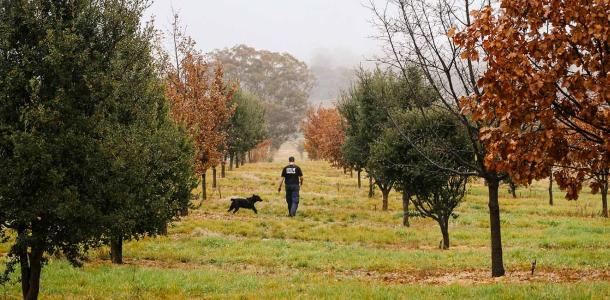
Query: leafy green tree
(280, 80)
(246, 128)
(365, 108)
(389, 154)
(442, 145)
(394, 158)
(434, 190)
(85, 141)
(151, 180)
(439, 202)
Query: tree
(435, 190)
(438, 203)
(364, 118)
(301, 148)
(200, 101)
(552, 57)
(246, 127)
(415, 33)
(392, 155)
(599, 183)
(512, 186)
(78, 80)
(280, 80)
(262, 151)
(438, 191)
(150, 179)
(324, 135)
(384, 172)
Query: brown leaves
(324, 135)
(545, 87)
(199, 100)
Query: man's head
(291, 159)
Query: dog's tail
(233, 199)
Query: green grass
(341, 245)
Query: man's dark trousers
(292, 198)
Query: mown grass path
(341, 245)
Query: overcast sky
(300, 27)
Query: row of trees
(525, 88)
(103, 133)
(377, 128)
(223, 120)
(403, 149)
(526, 82)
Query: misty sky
(303, 28)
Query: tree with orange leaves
(200, 101)
(324, 135)
(547, 81)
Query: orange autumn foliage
(547, 83)
(200, 101)
(324, 135)
(262, 151)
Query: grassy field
(341, 245)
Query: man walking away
(292, 175)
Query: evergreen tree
(87, 147)
(246, 128)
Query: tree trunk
(359, 179)
(351, 173)
(31, 267)
(385, 195)
(164, 229)
(116, 250)
(213, 177)
(497, 263)
(513, 189)
(551, 188)
(204, 194)
(236, 160)
(222, 169)
(231, 158)
(25, 266)
(406, 198)
(445, 232)
(243, 158)
(371, 187)
(184, 210)
(35, 268)
(604, 191)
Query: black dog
(237, 203)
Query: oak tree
(324, 136)
(416, 33)
(200, 101)
(546, 81)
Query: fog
(332, 36)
